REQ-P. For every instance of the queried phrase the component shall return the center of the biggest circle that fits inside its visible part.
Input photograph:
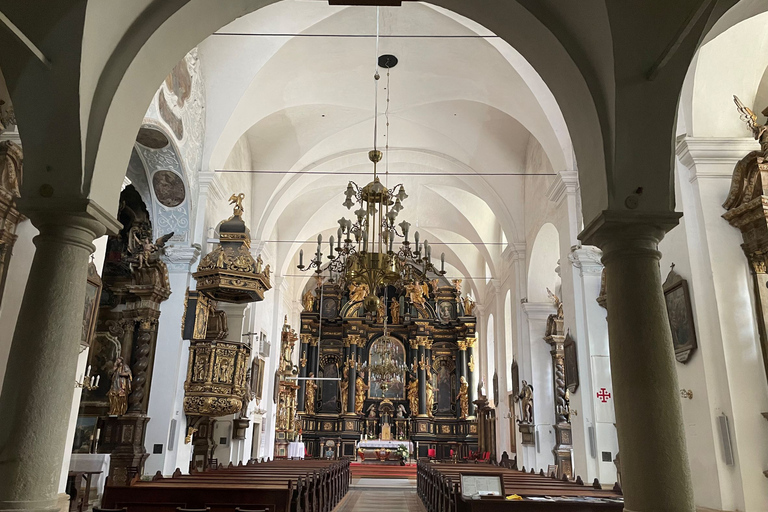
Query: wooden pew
(284, 486)
(439, 487)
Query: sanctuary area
(362, 255)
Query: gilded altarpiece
(428, 329)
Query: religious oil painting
(169, 188)
(257, 377)
(445, 311)
(85, 433)
(680, 312)
(396, 389)
(92, 296)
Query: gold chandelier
(365, 247)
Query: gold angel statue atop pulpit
(237, 200)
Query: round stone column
(40, 377)
(654, 462)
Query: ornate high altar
(386, 340)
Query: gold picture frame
(91, 305)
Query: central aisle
(375, 494)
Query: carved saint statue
(309, 395)
(400, 411)
(525, 397)
(120, 388)
(557, 302)
(457, 285)
(381, 311)
(308, 300)
(360, 388)
(413, 397)
(237, 201)
(430, 399)
(372, 411)
(344, 390)
(463, 398)
(469, 306)
(357, 292)
(394, 311)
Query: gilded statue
(430, 398)
(469, 306)
(394, 311)
(525, 397)
(344, 389)
(259, 264)
(360, 388)
(415, 293)
(237, 200)
(120, 388)
(745, 182)
(308, 300)
(463, 398)
(310, 394)
(358, 292)
(381, 311)
(413, 397)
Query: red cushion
(431, 453)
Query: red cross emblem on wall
(603, 395)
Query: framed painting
(257, 377)
(571, 363)
(678, 301)
(91, 306)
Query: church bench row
(439, 487)
(285, 486)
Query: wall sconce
(87, 381)
(687, 393)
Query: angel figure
(147, 248)
(237, 200)
(400, 411)
(308, 300)
(434, 285)
(358, 292)
(394, 311)
(759, 131)
(558, 303)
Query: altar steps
(359, 470)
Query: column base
(58, 504)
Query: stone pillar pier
(45, 345)
(647, 401)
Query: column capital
(587, 259)
(76, 221)
(538, 310)
(629, 233)
(471, 341)
(210, 184)
(180, 258)
(565, 183)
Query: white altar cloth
(92, 462)
(296, 450)
(392, 445)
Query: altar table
(295, 450)
(381, 452)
